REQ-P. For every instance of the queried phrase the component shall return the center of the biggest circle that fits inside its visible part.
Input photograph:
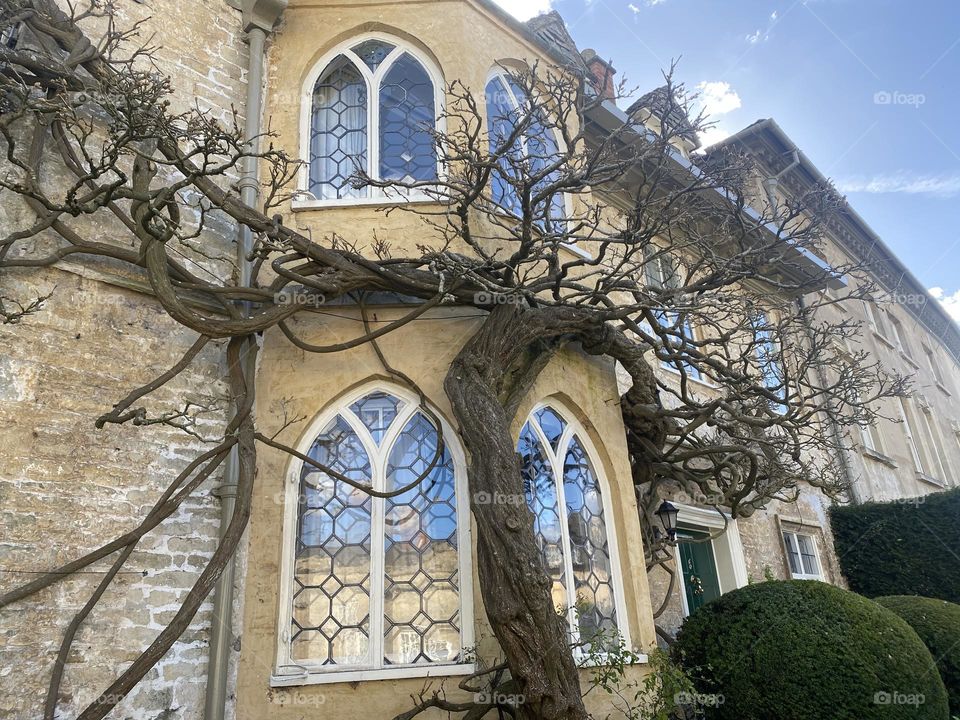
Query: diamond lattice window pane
(373, 52)
(338, 131)
(407, 119)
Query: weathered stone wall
(65, 487)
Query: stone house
(341, 604)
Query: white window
(934, 365)
(910, 431)
(374, 586)
(936, 451)
(371, 105)
(533, 153)
(571, 511)
(872, 439)
(899, 339)
(663, 274)
(767, 352)
(875, 317)
(802, 556)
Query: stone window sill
(930, 480)
(342, 676)
(879, 457)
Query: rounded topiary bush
(806, 650)
(937, 622)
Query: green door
(699, 568)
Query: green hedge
(909, 547)
(806, 650)
(937, 622)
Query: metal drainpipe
(221, 627)
(834, 424)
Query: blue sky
(868, 89)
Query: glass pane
(793, 557)
(808, 556)
(539, 485)
(543, 152)
(552, 425)
(331, 604)
(407, 121)
(421, 568)
(590, 554)
(373, 52)
(377, 412)
(338, 137)
(501, 121)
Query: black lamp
(668, 512)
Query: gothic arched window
(373, 107)
(376, 583)
(572, 528)
(535, 150)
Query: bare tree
(89, 140)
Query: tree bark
(514, 584)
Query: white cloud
(902, 182)
(951, 303)
(774, 15)
(754, 37)
(712, 136)
(633, 8)
(717, 98)
(525, 9)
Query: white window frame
(875, 319)
(304, 199)
(937, 451)
(793, 537)
(934, 366)
(503, 75)
(287, 671)
(896, 329)
(574, 427)
(727, 547)
(916, 452)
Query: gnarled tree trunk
(481, 385)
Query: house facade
(339, 603)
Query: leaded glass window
(532, 153)
(565, 497)
(376, 582)
(373, 110)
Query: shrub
(900, 548)
(937, 622)
(805, 650)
